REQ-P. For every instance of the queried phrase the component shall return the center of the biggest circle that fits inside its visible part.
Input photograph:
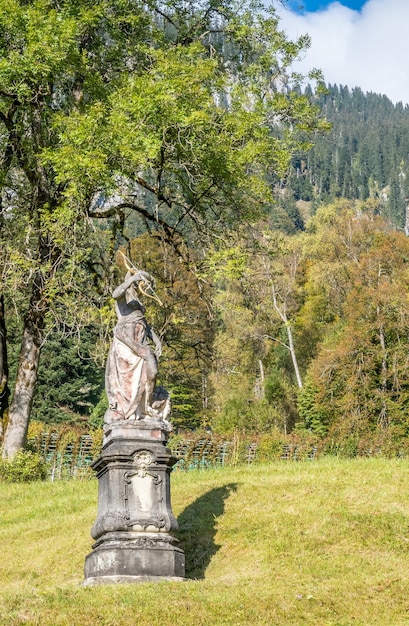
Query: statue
(132, 365)
(133, 531)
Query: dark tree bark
(20, 408)
(4, 370)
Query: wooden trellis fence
(69, 452)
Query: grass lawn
(323, 542)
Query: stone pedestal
(134, 525)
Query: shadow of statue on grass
(197, 529)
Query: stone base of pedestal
(141, 558)
(117, 580)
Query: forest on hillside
(273, 221)
(365, 155)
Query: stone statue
(134, 524)
(134, 527)
(132, 364)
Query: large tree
(356, 288)
(258, 277)
(182, 114)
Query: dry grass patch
(322, 542)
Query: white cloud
(367, 49)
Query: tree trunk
(293, 354)
(383, 347)
(262, 380)
(283, 315)
(19, 413)
(4, 371)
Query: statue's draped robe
(126, 377)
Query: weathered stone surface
(134, 558)
(134, 486)
(132, 364)
(135, 520)
(134, 524)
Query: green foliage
(69, 382)
(172, 113)
(24, 467)
(313, 415)
(270, 446)
(193, 118)
(359, 377)
(343, 448)
(332, 298)
(240, 413)
(96, 418)
(66, 450)
(255, 358)
(279, 393)
(363, 156)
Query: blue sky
(359, 43)
(302, 6)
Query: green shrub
(312, 413)
(347, 448)
(270, 447)
(24, 467)
(96, 418)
